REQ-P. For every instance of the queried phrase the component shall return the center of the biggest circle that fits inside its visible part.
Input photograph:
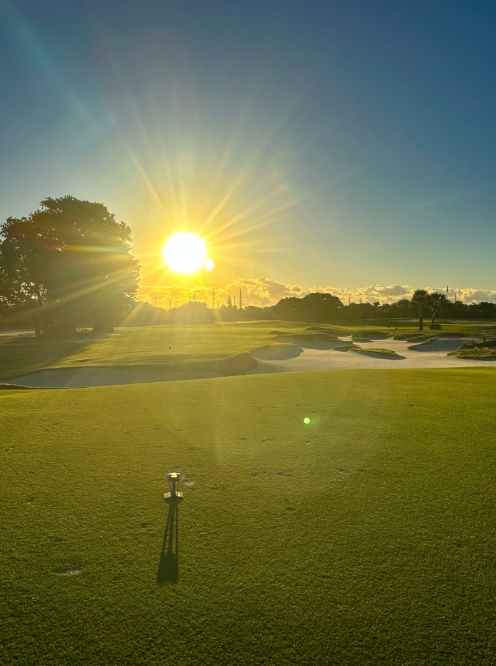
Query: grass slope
(150, 345)
(146, 345)
(366, 536)
(374, 351)
(486, 349)
(188, 344)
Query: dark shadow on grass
(20, 356)
(76, 376)
(168, 566)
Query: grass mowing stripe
(366, 536)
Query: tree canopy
(420, 301)
(67, 262)
(437, 303)
(316, 307)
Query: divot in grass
(70, 571)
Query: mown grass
(277, 351)
(346, 347)
(374, 351)
(364, 537)
(150, 345)
(187, 344)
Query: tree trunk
(68, 329)
(102, 322)
(38, 325)
(421, 321)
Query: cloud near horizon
(262, 292)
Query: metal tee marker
(173, 480)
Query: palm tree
(436, 302)
(420, 301)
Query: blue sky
(318, 143)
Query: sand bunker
(318, 354)
(441, 344)
(314, 359)
(15, 332)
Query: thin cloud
(262, 292)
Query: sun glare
(185, 252)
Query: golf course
(332, 514)
(247, 333)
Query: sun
(185, 252)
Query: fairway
(171, 353)
(140, 346)
(364, 536)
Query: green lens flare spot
(306, 420)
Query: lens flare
(185, 253)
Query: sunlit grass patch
(326, 332)
(151, 345)
(323, 511)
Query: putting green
(364, 536)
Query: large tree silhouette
(312, 307)
(67, 261)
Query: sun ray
(222, 203)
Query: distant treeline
(315, 307)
